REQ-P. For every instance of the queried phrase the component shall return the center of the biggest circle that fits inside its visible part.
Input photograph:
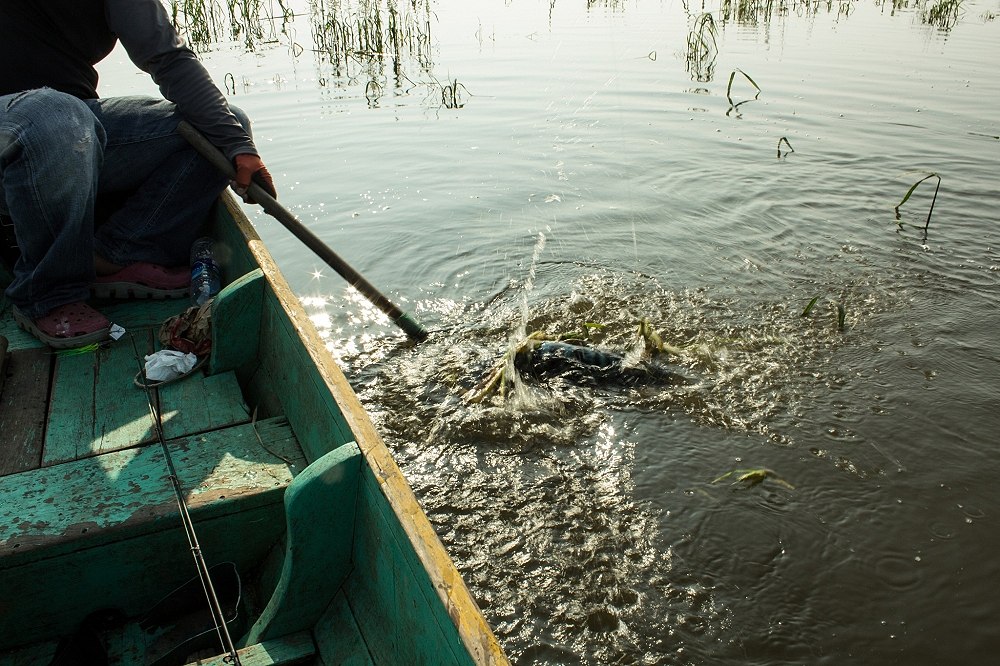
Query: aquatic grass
(373, 93)
(451, 95)
(909, 193)
(702, 48)
(732, 76)
(785, 141)
(372, 31)
(944, 14)
(205, 21)
(839, 307)
(729, 90)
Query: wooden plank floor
(23, 400)
(57, 407)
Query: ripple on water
(973, 512)
(899, 572)
(943, 531)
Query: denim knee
(51, 116)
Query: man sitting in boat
(63, 150)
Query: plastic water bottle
(204, 271)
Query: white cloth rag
(168, 364)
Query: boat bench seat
(93, 525)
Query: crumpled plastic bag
(168, 364)
(190, 331)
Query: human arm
(144, 29)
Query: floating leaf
(751, 477)
(809, 308)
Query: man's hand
(251, 166)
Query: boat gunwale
(451, 589)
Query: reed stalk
(702, 48)
(785, 141)
(943, 14)
(909, 193)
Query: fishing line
(218, 617)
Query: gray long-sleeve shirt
(56, 43)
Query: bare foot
(104, 267)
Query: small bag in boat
(190, 331)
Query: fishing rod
(302, 232)
(214, 607)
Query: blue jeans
(59, 155)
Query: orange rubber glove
(251, 166)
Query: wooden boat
(315, 547)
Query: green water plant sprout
(840, 308)
(909, 192)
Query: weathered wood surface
(428, 564)
(338, 637)
(56, 510)
(392, 595)
(285, 651)
(49, 598)
(105, 531)
(199, 403)
(236, 323)
(94, 406)
(3, 361)
(320, 514)
(22, 410)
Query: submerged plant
(451, 95)
(906, 197)
(785, 141)
(729, 90)
(205, 21)
(840, 308)
(752, 477)
(944, 14)
(372, 32)
(702, 48)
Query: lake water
(578, 167)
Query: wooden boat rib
(322, 553)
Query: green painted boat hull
(282, 472)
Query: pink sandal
(143, 280)
(67, 326)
